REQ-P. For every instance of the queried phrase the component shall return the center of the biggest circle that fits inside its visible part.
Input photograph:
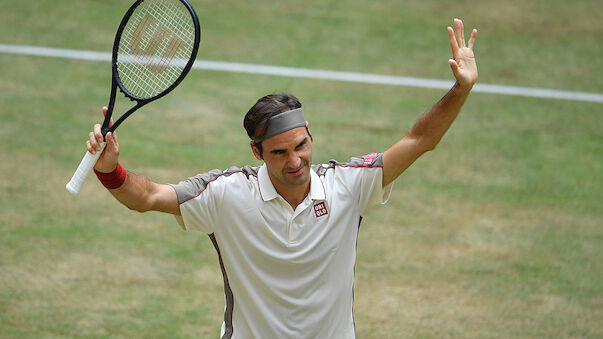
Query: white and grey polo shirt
(287, 273)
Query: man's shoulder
(197, 184)
(209, 176)
(247, 171)
(370, 160)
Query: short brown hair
(265, 107)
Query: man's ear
(308, 130)
(255, 151)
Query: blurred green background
(497, 233)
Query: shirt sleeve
(200, 198)
(363, 176)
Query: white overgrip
(83, 170)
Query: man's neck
(293, 195)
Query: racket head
(155, 47)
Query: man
(286, 232)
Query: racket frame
(116, 81)
(87, 164)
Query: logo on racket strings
(148, 44)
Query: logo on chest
(320, 209)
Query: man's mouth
(296, 172)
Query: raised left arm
(431, 126)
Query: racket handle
(83, 170)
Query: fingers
(454, 66)
(95, 138)
(453, 43)
(112, 144)
(110, 141)
(463, 61)
(89, 147)
(457, 37)
(459, 31)
(472, 38)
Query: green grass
(497, 233)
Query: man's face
(288, 157)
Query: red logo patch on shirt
(370, 158)
(320, 209)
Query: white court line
(318, 74)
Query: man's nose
(294, 160)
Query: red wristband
(114, 179)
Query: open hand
(462, 63)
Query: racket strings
(167, 16)
(155, 47)
(154, 63)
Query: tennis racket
(155, 47)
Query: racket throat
(122, 118)
(104, 131)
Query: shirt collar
(268, 192)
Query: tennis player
(286, 232)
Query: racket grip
(83, 170)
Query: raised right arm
(137, 192)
